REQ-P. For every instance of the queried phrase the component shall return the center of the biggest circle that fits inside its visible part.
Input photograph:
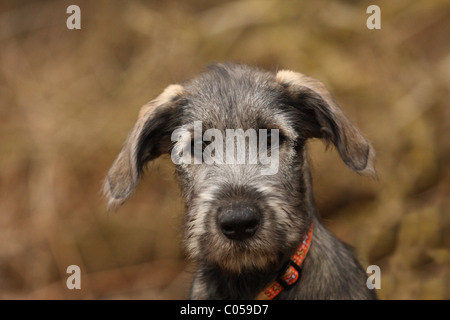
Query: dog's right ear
(147, 140)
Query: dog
(253, 234)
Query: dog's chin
(232, 256)
(246, 264)
(242, 260)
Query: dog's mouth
(241, 258)
(237, 256)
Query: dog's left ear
(323, 118)
(147, 140)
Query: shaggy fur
(232, 96)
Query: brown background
(69, 97)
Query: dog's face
(237, 136)
(237, 215)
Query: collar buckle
(289, 275)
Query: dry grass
(68, 99)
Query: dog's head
(237, 137)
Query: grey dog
(241, 227)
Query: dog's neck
(291, 271)
(215, 283)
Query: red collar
(291, 272)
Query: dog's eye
(271, 139)
(199, 145)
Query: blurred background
(69, 97)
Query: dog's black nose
(239, 221)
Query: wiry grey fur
(231, 96)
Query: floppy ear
(147, 140)
(323, 118)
